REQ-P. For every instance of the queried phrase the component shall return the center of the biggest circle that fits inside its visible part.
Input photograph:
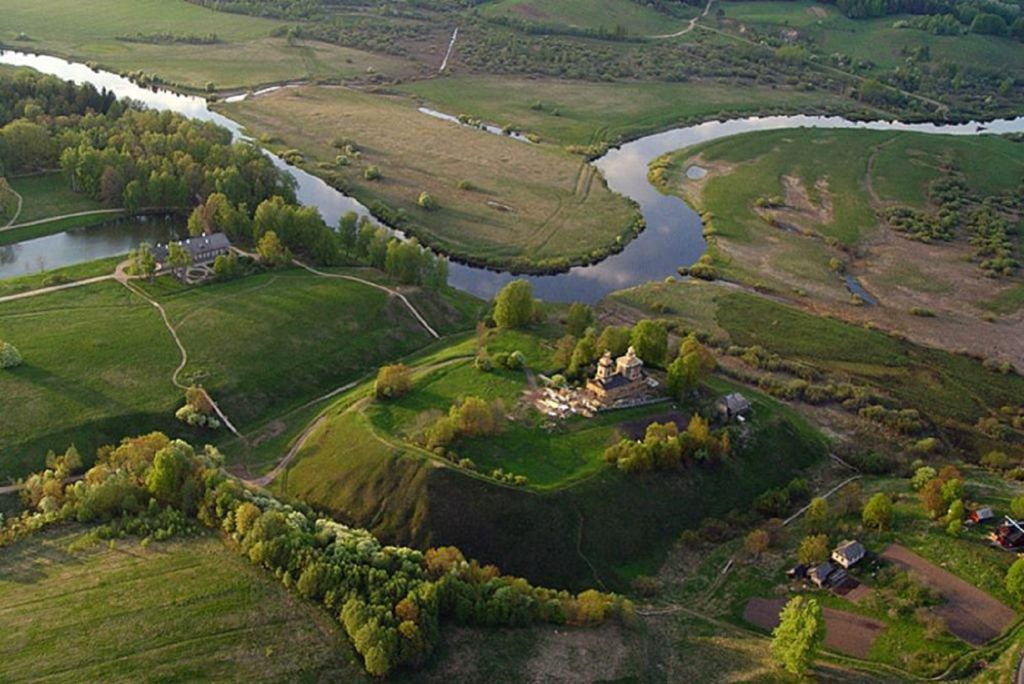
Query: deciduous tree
(801, 631)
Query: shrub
(10, 357)
(393, 381)
(372, 173)
(427, 202)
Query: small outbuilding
(848, 553)
(821, 574)
(733, 406)
(981, 516)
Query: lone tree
(878, 511)
(801, 630)
(9, 355)
(817, 515)
(514, 307)
(178, 257)
(392, 381)
(579, 318)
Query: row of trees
(406, 260)
(390, 600)
(664, 447)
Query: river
(673, 235)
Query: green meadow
(99, 361)
(176, 611)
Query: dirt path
(27, 224)
(451, 47)
(692, 25)
(869, 181)
(17, 212)
(969, 612)
(121, 275)
(55, 288)
(393, 293)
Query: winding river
(673, 234)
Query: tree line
(390, 600)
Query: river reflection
(673, 235)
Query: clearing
(500, 201)
(603, 16)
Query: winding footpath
(121, 276)
(692, 25)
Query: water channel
(672, 237)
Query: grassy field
(581, 113)
(528, 203)
(246, 56)
(48, 195)
(176, 611)
(831, 184)
(98, 360)
(634, 19)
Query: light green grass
(49, 195)
(635, 19)
(179, 611)
(99, 361)
(248, 56)
(574, 112)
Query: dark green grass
(48, 195)
(628, 521)
(179, 611)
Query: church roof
(630, 359)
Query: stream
(671, 239)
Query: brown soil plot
(844, 632)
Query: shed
(733, 406)
(848, 553)
(982, 515)
(820, 574)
